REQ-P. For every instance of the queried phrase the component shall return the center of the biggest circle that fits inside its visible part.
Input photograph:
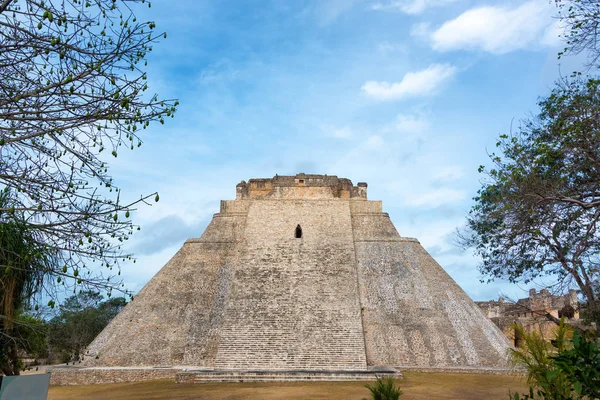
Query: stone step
(201, 376)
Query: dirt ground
(417, 386)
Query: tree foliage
(581, 21)
(535, 355)
(580, 365)
(80, 319)
(23, 262)
(73, 93)
(538, 209)
(27, 335)
(559, 370)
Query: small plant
(565, 370)
(536, 356)
(581, 366)
(384, 389)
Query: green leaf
(578, 387)
(550, 375)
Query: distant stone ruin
(299, 277)
(531, 313)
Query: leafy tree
(536, 357)
(581, 21)
(538, 209)
(27, 336)
(23, 262)
(581, 366)
(72, 90)
(564, 370)
(80, 319)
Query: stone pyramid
(301, 273)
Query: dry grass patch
(417, 386)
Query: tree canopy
(24, 262)
(73, 94)
(80, 319)
(581, 22)
(538, 209)
(27, 336)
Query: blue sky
(405, 95)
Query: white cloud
(138, 274)
(551, 37)
(420, 83)
(409, 6)
(374, 142)
(435, 197)
(388, 48)
(328, 11)
(411, 124)
(222, 71)
(344, 132)
(420, 30)
(497, 29)
(449, 173)
(433, 233)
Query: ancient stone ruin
(533, 313)
(299, 275)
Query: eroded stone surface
(349, 294)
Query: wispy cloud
(436, 197)
(375, 142)
(448, 173)
(274, 89)
(336, 132)
(413, 84)
(389, 48)
(421, 30)
(412, 124)
(498, 29)
(168, 231)
(221, 71)
(409, 6)
(328, 11)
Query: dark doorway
(298, 232)
(518, 341)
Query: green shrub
(561, 370)
(384, 389)
(580, 365)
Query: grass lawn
(425, 386)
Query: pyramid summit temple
(299, 275)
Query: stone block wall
(537, 304)
(65, 376)
(414, 314)
(294, 301)
(348, 294)
(530, 313)
(176, 318)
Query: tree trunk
(11, 367)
